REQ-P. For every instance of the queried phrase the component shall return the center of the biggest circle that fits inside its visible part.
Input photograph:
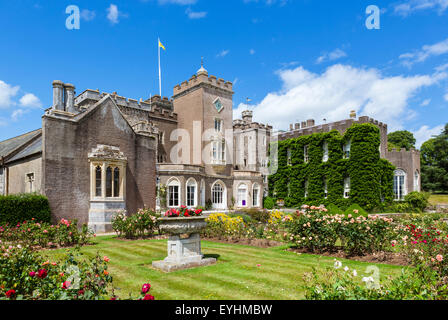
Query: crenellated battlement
(203, 79)
(156, 106)
(404, 151)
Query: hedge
(371, 178)
(23, 207)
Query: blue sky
(295, 59)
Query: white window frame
(325, 188)
(219, 125)
(347, 187)
(30, 177)
(346, 149)
(242, 195)
(172, 184)
(400, 180)
(222, 196)
(191, 183)
(256, 195)
(306, 157)
(416, 181)
(306, 185)
(289, 157)
(325, 150)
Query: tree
(401, 139)
(434, 163)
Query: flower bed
(183, 211)
(45, 235)
(25, 275)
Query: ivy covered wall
(371, 178)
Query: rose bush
(142, 224)
(45, 235)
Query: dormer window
(218, 105)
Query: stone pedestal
(183, 252)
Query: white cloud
(409, 6)
(30, 100)
(425, 102)
(334, 55)
(223, 53)
(425, 133)
(7, 92)
(87, 15)
(18, 113)
(252, 51)
(195, 14)
(425, 52)
(445, 97)
(113, 14)
(332, 94)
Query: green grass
(235, 276)
(438, 198)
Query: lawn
(235, 276)
(438, 198)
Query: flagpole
(160, 72)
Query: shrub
(142, 224)
(334, 209)
(25, 275)
(17, 208)
(208, 205)
(257, 214)
(356, 211)
(268, 203)
(341, 283)
(45, 235)
(417, 200)
(222, 225)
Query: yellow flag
(161, 45)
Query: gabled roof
(8, 147)
(34, 147)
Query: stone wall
(17, 175)
(66, 169)
(409, 162)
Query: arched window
(416, 181)
(219, 195)
(116, 183)
(256, 195)
(399, 184)
(242, 195)
(109, 182)
(98, 181)
(173, 193)
(192, 190)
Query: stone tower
(204, 108)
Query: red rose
(32, 274)
(10, 293)
(146, 287)
(66, 284)
(42, 273)
(148, 297)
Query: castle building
(407, 163)
(100, 153)
(97, 154)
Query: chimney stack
(303, 124)
(297, 126)
(69, 96)
(353, 114)
(58, 95)
(291, 127)
(310, 122)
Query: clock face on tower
(218, 105)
